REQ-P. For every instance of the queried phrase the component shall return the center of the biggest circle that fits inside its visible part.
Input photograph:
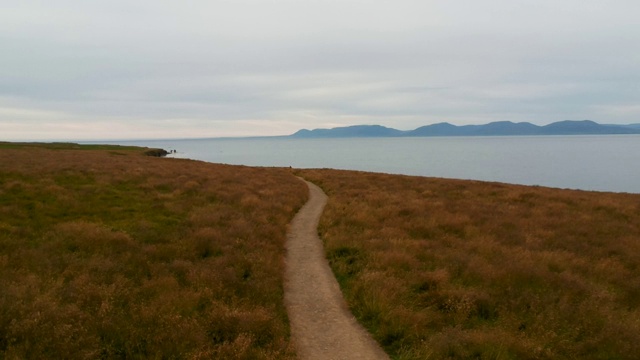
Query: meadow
(449, 269)
(107, 253)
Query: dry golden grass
(446, 269)
(105, 253)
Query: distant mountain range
(500, 128)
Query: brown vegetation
(452, 269)
(110, 254)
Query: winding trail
(321, 325)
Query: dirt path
(322, 327)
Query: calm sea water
(603, 163)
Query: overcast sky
(169, 69)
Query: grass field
(106, 253)
(446, 269)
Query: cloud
(261, 67)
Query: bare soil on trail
(321, 325)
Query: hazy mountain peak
(496, 128)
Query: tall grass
(446, 269)
(105, 253)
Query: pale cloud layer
(156, 69)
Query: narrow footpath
(321, 325)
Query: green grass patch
(448, 269)
(120, 255)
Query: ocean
(598, 162)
